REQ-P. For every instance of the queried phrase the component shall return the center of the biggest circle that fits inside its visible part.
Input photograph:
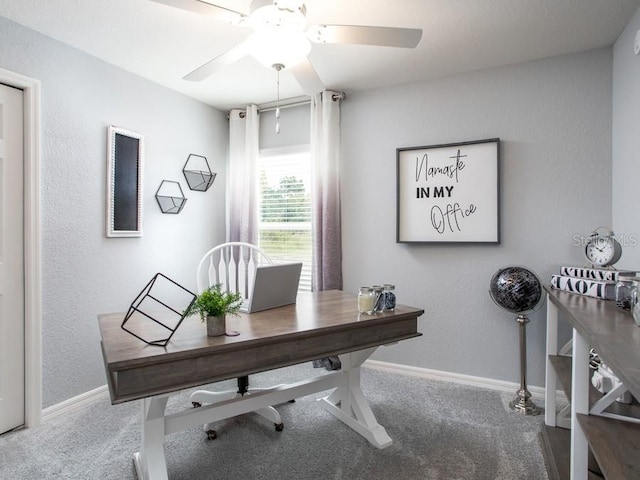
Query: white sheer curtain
(325, 161)
(242, 196)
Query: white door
(11, 260)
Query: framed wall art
(125, 155)
(449, 193)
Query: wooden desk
(321, 324)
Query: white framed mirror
(125, 158)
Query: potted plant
(214, 305)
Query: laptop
(273, 286)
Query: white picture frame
(125, 159)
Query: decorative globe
(516, 289)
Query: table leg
(579, 404)
(150, 462)
(348, 403)
(550, 383)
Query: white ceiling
(163, 44)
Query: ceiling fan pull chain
(278, 67)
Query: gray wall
(295, 127)
(554, 120)
(626, 144)
(83, 272)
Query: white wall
(554, 120)
(83, 272)
(626, 144)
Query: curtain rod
(284, 105)
(292, 102)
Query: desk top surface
(313, 313)
(608, 329)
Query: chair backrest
(233, 265)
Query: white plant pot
(216, 326)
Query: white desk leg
(579, 404)
(550, 382)
(150, 462)
(347, 402)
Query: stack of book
(593, 282)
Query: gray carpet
(440, 431)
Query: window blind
(285, 208)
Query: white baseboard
(67, 406)
(537, 393)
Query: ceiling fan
(281, 37)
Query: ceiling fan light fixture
(318, 33)
(291, 5)
(268, 14)
(274, 46)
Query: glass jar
(625, 288)
(389, 297)
(379, 302)
(366, 300)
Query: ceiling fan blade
(205, 8)
(307, 77)
(221, 61)
(364, 35)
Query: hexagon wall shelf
(198, 173)
(170, 197)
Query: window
(285, 207)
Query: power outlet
(636, 45)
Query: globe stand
(522, 403)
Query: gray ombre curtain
(242, 191)
(325, 168)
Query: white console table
(609, 429)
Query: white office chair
(233, 265)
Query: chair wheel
(211, 434)
(279, 426)
(196, 404)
